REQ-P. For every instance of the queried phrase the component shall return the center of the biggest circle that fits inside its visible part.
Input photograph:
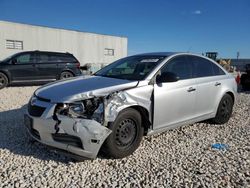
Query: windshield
(8, 58)
(131, 68)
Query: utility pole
(238, 55)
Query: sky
(150, 25)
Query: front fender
(140, 96)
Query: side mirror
(167, 77)
(13, 61)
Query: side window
(24, 59)
(217, 70)
(51, 58)
(55, 58)
(61, 58)
(202, 67)
(67, 58)
(180, 66)
(43, 58)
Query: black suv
(245, 78)
(37, 67)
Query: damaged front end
(80, 124)
(83, 119)
(86, 109)
(72, 127)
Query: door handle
(191, 89)
(217, 84)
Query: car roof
(158, 54)
(42, 52)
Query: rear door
(24, 67)
(209, 82)
(174, 102)
(47, 66)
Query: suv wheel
(224, 110)
(126, 134)
(66, 74)
(3, 80)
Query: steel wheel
(125, 133)
(224, 110)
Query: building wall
(86, 47)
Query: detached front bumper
(83, 137)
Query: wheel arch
(144, 115)
(231, 95)
(7, 75)
(66, 70)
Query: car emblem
(32, 101)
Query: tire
(3, 80)
(224, 110)
(126, 134)
(65, 75)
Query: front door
(23, 67)
(174, 102)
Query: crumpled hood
(82, 87)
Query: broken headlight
(89, 109)
(76, 109)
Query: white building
(88, 48)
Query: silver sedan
(134, 96)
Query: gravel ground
(177, 158)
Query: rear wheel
(126, 134)
(224, 110)
(3, 80)
(66, 74)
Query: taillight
(78, 65)
(237, 79)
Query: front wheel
(126, 134)
(224, 110)
(3, 80)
